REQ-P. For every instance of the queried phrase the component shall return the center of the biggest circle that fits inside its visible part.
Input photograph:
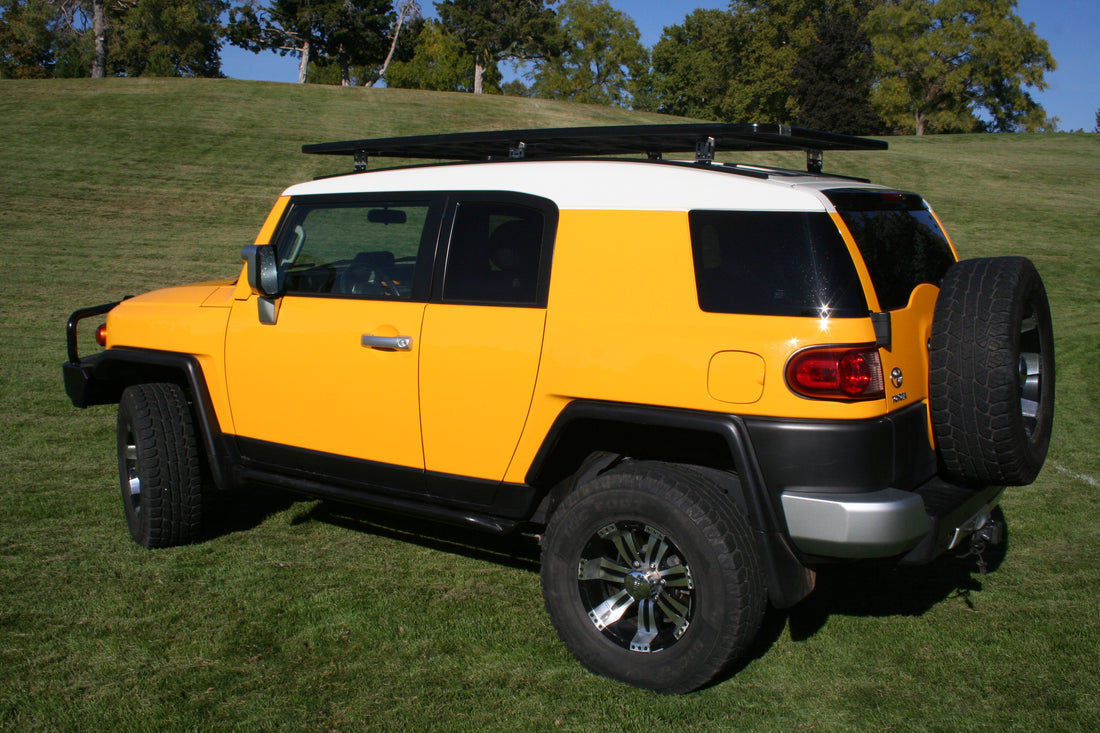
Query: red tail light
(101, 335)
(837, 373)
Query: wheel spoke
(656, 547)
(624, 542)
(601, 568)
(1029, 324)
(647, 626)
(1030, 374)
(135, 488)
(675, 611)
(677, 576)
(611, 610)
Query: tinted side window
(495, 254)
(773, 264)
(363, 249)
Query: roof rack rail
(653, 141)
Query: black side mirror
(263, 272)
(263, 278)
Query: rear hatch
(906, 254)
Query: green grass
(306, 616)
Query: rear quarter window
(773, 264)
(902, 244)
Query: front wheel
(651, 577)
(159, 466)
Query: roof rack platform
(654, 141)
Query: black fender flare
(561, 455)
(99, 379)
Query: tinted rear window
(773, 264)
(901, 242)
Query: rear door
(482, 332)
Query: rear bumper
(917, 525)
(874, 524)
(864, 488)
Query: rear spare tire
(991, 375)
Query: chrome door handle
(397, 343)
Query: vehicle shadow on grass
(877, 589)
(880, 589)
(516, 551)
(866, 588)
(245, 509)
(241, 510)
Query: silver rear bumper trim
(882, 523)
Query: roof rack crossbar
(652, 141)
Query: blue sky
(1071, 27)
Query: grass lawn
(310, 616)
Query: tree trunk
(407, 9)
(345, 74)
(303, 62)
(99, 31)
(479, 76)
(920, 123)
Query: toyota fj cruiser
(694, 381)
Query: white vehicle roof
(625, 185)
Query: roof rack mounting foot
(704, 150)
(815, 161)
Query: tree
(691, 70)
(602, 56)
(165, 38)
(780, 61)
(767, 38)
(343, 32)
(408, 12)
(833, 78)
(99, 39)
(1097, 128)
(113, 37)
(497, 30)
(438, 62)
(27, 38)
(941, 62)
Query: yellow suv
(693, 381)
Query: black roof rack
(703, 139)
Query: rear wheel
(159, 466)
(992, 371)
(651, 577)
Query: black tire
(667, 523)
(991, 376)
(159, 466)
